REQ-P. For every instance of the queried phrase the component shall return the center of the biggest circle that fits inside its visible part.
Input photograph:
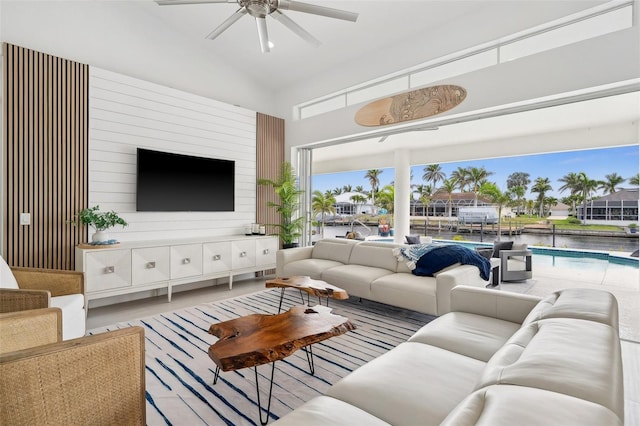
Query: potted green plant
(286, 188)
(633, 228)
(100, 221)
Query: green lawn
(561, 224)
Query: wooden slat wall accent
(45, 111)
(270, 155)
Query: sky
(596, 163)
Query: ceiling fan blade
(262, 34)
(176, 2)
(317, 10)
(289, 23)
(227, 23)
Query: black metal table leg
(308, 350)
(281, 297)
(217, 374)
(264, 422)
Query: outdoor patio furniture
(515, 264)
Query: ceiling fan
(259, 9)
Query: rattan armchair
(43, 288)
(93, 380)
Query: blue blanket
(442, 256)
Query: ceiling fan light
(271, 45)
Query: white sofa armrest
(285, 256)
(502, 305)
(462, 275)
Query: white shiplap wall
(126, 113)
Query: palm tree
(433, 173)
(499, 198)
(347, 188)
(541, 186)
(386, 197)
(358, 200)
(518, 191)
(424, 195)
(374, 180)
(571, 182)
(337, 191)
(323, 204)
(611, 183)
(572, 200)
(587, 186)
(529, 205)
(448, 186)
(477, 176)
(359, 189)
(461, 177)
(550, 202)
(635, 180)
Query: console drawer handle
(151, 265)
(265, 251)
(186, 261)
(217, 257)
(243, 254)
(109, 269)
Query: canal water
(620, 244)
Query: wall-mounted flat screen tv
(168, 182)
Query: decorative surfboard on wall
(412, 105)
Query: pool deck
(622, 282)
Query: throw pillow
(501, 245)
(412, 239)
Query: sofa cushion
(518, 405)
(377, 255)
(571, 356)
(580, 303)
(472, 335)
(309, 267)
(406, 290)
(336, 249)
(355, 279)
(327, 411)
(7, 280)
(413, 384)
(73, 315)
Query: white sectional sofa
(371, 271)
(496, 359)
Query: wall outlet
(25, 218)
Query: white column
(402, 195)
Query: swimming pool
(589, 259)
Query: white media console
(138, 266)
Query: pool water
(567, 257)
(570, 258)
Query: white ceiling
(167, 45)
(427, 27)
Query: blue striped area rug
(179, 372)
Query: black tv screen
(169, 182)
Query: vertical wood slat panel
(45, 144)
(270, 155)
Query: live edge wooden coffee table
(260, 339)
(310, 286)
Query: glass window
(581, 30)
